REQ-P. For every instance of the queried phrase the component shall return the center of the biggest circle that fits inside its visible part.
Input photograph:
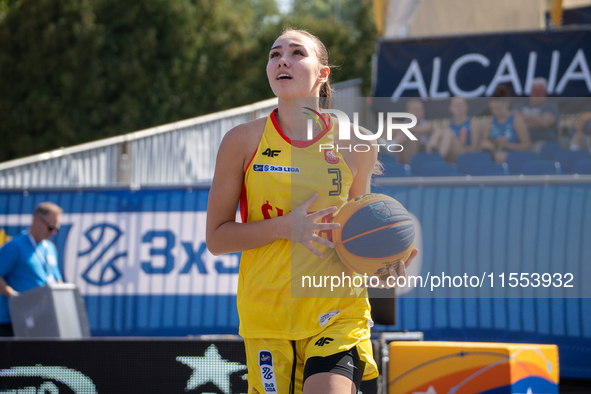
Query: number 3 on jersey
(336, 181)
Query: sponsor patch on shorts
(267, 372)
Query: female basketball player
(286, 187)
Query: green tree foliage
(73, 71)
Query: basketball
(376, 233)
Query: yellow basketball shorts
(281, 366)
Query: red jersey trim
(243, 199)
(243, 205)
(299, 144)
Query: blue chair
(395, 169)
(583, 167)
(467, 160)
(569, 158)
(549, 150)
(488, 168)
(541, 167)
(420, 159)
(385, 158)
(438, 168)
(516, 160)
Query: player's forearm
(539, 121)
(232, 237)
(6, 290)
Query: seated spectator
(461, 135)
(540, 115)
(506, 130)
(582, 129)
(422, 131)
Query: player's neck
(35, 234)
(502, 118)
(459, 119)
(293, 115)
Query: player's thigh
(329, 383)
(343, 349)
(272, 367)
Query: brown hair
(412, 101)
(322, 55)
(47, 207)
(501, 93)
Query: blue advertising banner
(502, 229)
(138, 258)
(473, 66)
(140, 261)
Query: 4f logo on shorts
(323, 341)
(267, 373)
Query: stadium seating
(394, 169)
(438, 168)
(569, 158)
(549, 150)
(385, 158)
(541, 167)
(583, 167)
(516, 160)
(466, 161)
(488, 168)
(420, 159)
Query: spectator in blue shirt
(540, 115)
(29, 260)
(460, 135)
(505, 130)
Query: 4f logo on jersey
(271, 153)
(323, 341)
(267, 373)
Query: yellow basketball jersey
(271, 288)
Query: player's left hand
(394, 273)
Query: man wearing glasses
(29, 260)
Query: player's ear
(323, 74)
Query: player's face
(538, 94)
(538, 90)
(458, 107)
(498, 108)
(416, 108)
(293, 68)
(47, 224)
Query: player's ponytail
(325, 95)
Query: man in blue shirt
(541, 115)
(29, 260)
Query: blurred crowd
(523, 138)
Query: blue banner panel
(138, 258)
(473, 66)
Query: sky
(284, 5)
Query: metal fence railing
(178, 153)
